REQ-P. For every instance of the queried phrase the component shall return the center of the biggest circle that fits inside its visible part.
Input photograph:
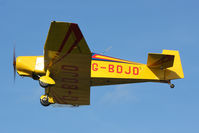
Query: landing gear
(46, 82)
(44, 101)
(35, 77)
(171, 85)
(42, 84)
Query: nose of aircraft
(25, 65)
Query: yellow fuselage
(29, 65)
(107, 70)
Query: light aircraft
(68, 69)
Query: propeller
(14, 63)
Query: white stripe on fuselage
(39, 64)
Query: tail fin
(176, 71)
(170, 61)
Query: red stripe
(65, 39)
(109, 59)
(94, 56)
(112, 58)
(62, 44)
(78, 35)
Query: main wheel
(42, 84)
(44, 101)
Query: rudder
(176, 71)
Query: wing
(72, 80)
(68, 58)
(63, 38)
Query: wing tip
(63, 22)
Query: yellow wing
(72, 80)
(68, 58)
(63, 38)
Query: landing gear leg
(171, 85)
(44, 100)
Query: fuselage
(29, 65)
(105, 70)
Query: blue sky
(132, 28)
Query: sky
(132, 28)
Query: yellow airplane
(68, 69)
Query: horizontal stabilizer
(160, 61)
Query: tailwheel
(44, 100)
(171, 85)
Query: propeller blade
(14, 63)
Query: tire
(172, 86)
(44, 85)
(44, 102)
